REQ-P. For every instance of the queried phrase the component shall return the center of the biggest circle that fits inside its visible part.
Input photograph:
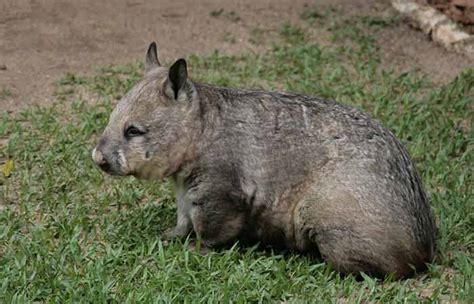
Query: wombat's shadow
(152, 220)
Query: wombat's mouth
(113, 169)
(110, 170)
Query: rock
(434, 23)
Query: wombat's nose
(98, 158)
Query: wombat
(282, 169)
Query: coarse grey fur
(283, 169)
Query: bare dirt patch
(404, 48)
(41, 40)
(405, 52)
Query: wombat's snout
(100, 160)
(109, 158)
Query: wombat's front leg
(216, 223)
(181, 230)
(183, 223)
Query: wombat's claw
(202, 249)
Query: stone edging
(434, 23)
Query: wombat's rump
(283, 169)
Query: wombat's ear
(151, 60)
(177, 77)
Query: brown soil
(41, 40)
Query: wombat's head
(148, 133)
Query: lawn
(68, 233)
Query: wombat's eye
(133, 132)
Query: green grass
(70, 234)
(5, 92)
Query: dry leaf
(8, 168)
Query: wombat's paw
(175, 232)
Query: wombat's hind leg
(343, 251)
(354, 240)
